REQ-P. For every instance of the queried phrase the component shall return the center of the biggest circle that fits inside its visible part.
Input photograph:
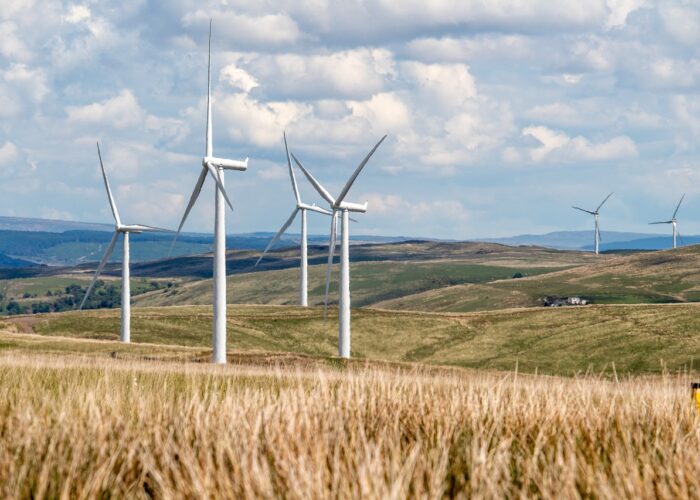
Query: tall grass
(80, 428)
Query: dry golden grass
(76, 427)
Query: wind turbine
(300, 207)
(124, 229)
(673, 221)
(215, 167)
(344, 207)
(595, 214)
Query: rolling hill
(379, 272)
(637, 339)
(655, 277)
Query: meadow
(85, 427)
(626, 339)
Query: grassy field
(654, 277)
(372, 282)
(637, 339)
(79, 427)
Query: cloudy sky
(500, 114)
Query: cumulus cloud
(347, 74)
(465, 89)
(120, 112)
(77, 14)
(8, 153)
(29, 81)
(558, 146)
(238, 78)
(246, 30)
(11, 45)
(395, 206)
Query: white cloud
(260, 123)
(120, 112)
(355, 73)
(447, 85)
(557, 146)
(8, 153)
(77, 14)
(395, 206)
(246, 30)
(682, 22)
(31, 82)
(483, 47)
(11, 45)
(238, 78)
(10, 8)
(620, 9)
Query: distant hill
(649, 277)
(575, 240)
(64, 243)
(7, 262)
(49, 225)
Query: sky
(500, 114)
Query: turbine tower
(216, 168)
(595, 214)
(124, 229)
(300, 207)
(673, 221)
(344, 207)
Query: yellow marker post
(695, 386)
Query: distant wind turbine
(673, 221)
(215, 167)
(344, 207)
(124, 229)
(300, 207)
(595, 214)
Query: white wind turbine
(673, 221)
(124, 229)
(595, 214)
(339, 205)
(215, 167)
(300, 207)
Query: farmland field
(81, 427)
(638, 339)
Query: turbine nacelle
(212, 161)
(351, 207)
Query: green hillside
(637, 339)
(379, 272)
(655, 277)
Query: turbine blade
(597, 228)
(331, 251)
(279, 234)
(149, 229)
(603, 202)
(112, 204)
(678, 233)
(583, 210)
(193, 199)
(319, 210)
(317, 185)
(219, 184)
(357, 171)
(679, 206)
(209, 148)
(663, 222)
(291, 170)
(101, 266)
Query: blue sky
(501, 114)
